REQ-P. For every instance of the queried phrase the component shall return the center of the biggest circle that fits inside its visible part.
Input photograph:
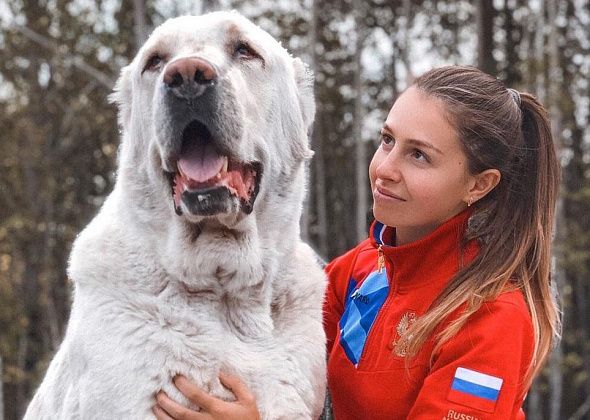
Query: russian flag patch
(475, 389)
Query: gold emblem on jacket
(404, 323)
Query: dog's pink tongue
(199, 161)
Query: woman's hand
(244, 408)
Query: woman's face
(419, 174)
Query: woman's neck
(405, 235)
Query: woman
(446, 311)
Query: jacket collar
(431, 260)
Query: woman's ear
(481, 184)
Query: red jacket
(478, 374)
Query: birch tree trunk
(21, 397)
(317, 191)
(485, 39)
(209, 5)
(510, 65)
(307, 204)
(574, 181)
(360, 147)
(529, 45)
(1, 390)
(139, 23)
(555, 79)
(536, 83)
(404, 44)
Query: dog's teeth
(225, 163)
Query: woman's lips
(384, 194)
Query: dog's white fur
(154, 296)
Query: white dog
(195, 264)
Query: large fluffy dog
(194, 264)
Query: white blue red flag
(475, 389)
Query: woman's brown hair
(499, 129)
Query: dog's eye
(153, 62)
(243, 50)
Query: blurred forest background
(59, 60)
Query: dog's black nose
(189, 76)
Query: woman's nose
(390, 167)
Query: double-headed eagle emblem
(407, 319)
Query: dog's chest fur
(136, 323)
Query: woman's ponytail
(542, 173)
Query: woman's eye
(419, 155)
(153, 62)
(387, 139)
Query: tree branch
(582, 410)
(70, 59)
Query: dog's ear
(304, 78)
(121, 96)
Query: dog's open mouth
(208, 182)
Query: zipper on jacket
(380, 259)
(388, 299)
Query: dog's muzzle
(190, 77)
(206, 179)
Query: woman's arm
(480, 372)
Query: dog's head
(216, 113)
